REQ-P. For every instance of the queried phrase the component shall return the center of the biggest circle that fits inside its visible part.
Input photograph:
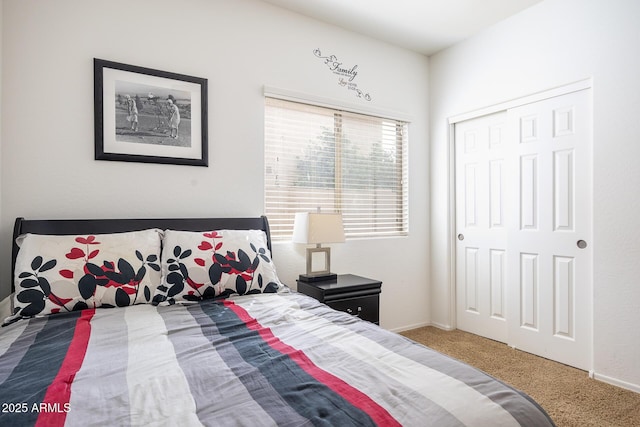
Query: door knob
(581, 244)
(461, 237)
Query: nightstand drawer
(365, 308)
(349, 293)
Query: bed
(185, 323)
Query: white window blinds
(355, 164)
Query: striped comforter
(268, 359)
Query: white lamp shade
(313, 228)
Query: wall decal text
(345, 73)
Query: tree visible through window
(317, 157)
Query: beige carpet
(568, 395)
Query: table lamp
(318, 228)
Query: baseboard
(442, 326)
(421, 325)
(409, 327)
(616, 382)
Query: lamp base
(317, 277)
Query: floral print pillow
(55, 274)
(203, 265)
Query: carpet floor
(568, 395)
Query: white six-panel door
(481, 230)
(523, 224)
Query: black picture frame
(164, 104)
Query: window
(338, 161)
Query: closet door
(549, 238)
(481, 237)
(523, 227)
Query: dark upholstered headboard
(104, 226)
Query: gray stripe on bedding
(396, 396)
(191, 328)
(495, 390)
(20, 345)
(108, 367)
(10, 333)
(498, 392)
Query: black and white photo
(146, 115)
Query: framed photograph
(146, 115)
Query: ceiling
(424, 26)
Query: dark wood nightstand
(349, 293)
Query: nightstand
(349, 293)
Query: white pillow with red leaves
(210, 264)
(55, 274)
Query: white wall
(551, 44)
(47, 162)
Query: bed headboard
(104, 226)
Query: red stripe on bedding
(352, 395)
(55, 405)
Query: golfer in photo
(174, 118)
